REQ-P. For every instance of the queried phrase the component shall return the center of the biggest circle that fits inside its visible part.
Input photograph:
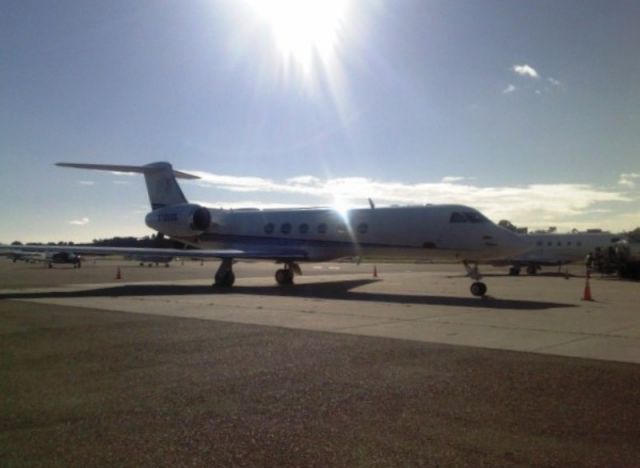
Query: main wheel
(225, 279)
(532, 270)
(284, 276)
(514, 271)
(478, 289)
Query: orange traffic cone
(375, 271)
(118, 275)
(587, 290)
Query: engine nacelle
(183, 220)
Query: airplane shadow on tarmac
(336, 290)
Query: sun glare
(303, 29)
(342, 207)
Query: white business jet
(552, 249)
(293, 236)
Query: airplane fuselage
(445, 232)
(559, 249)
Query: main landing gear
(478, 288)
(284, 276)
(225, 277)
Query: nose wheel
(478, 289)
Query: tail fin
(160, 177)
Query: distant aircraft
(552, 249)
(293, 236)
(16, 254)
(46, 255)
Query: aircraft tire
(478, 289)
(284, 277)
(532, 270)
(225, 279)
(514, 271)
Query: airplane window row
(569, 243)
(466, 217)
(559, 244)
(322, 228)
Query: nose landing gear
(478, 288)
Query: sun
(303, 30)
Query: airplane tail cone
(118, 275)
(587, 291)
(375, 271)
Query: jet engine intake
(184, 220)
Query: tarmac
(159, 368)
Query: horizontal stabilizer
(148, 169)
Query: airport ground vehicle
(622, 259)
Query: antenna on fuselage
(371, 204)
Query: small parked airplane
(293, 236)
(47, 255)
(552, 249)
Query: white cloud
(80, 222)
(86, 182)
(525, 70)
(554, 82)
(452, 179)
(628, 179)
(509, 89)
(306, 179)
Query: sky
(528, 111)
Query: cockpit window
(457, 218)
(474, 217)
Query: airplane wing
(284, 254)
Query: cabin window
(474, 217)
(322, 228)
(341, 229)
(539, 243)
(304, 228)
(549, 244)
(559, 243)
(578, 243)
(615, 239)
(457, 218)
(268, 228)
(569, 244)
(363, 228)
(285, 228)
